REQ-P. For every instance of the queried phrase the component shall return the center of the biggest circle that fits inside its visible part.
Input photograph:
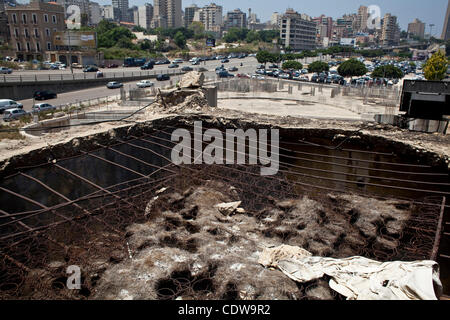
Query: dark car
(173, 65)
(163, 77)
(112, 65)
(186, 69)
(90, 69)
(44, 95)
(233, 69)
(225, 74)
(147, 66)
(225, 61)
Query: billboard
(211, 42)
(75, 39)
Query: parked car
(114, 85)
(225, 61)
(40, 107)
(186, 69)
(173, 65)
(13, 114)
(196, 62)
(4, 70)
(176, 61)
(112, 65)
(144, 84)
(90, 69)
(225, 74)
(163, 77)
(77, 66)
(6, 104)
(44, 95)
(242, 75)
(233, 69)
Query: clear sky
(429, 11)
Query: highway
(249, 66)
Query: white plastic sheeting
(358, 278)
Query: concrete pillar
(211, 95)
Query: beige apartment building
(390, 35)
(211, 17)
(32, 26)
(417, 28)
(167, 14)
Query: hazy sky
(429, 11)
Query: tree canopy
(318, 67)
(436, 67)
(290, 64)
(388, 71)
(352, 68)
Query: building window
(49, 46)
(16, 32)
(38, 47)
(19, 46)
(24, 18)
(34, 17)
(46, 17)
(36, 33)
(54, 19)
(28, 46)
(25, 32)
(14, 17)
(47, 32)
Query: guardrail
(86, 75)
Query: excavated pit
(141, 228)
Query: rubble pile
(203, 242)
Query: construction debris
(193, 79)
(358, 278)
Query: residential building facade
(417, 28)
(167, 14)
(298, 31)
(446, 29)
(122, 7)
(145, 16)
(189, 13)
(211, 17)
(32, 27)
(390, 35)
(235, 19)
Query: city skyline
(264, 9)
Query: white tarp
(358, 278)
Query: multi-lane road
(249, 66)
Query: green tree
(388, 71)
(352, 68)
(264, 57)
(252, 36)
(198, 29)
(318, 67)
(180, 39)
(436, 67)
(292, 65)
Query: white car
(176, 61)
(40, 107)
(13, 114)
(6, 104)
(145, 84)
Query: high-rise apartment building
(167, 14)
(235, 19)
(361, 19)
(122, 9)
(189, 13)
(95, 14)
(211, 17)
(4, 28)
(390, 35)
(298, 31)
(144, 16)
(446, 29)
(417, 28)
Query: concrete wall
(25, 90)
